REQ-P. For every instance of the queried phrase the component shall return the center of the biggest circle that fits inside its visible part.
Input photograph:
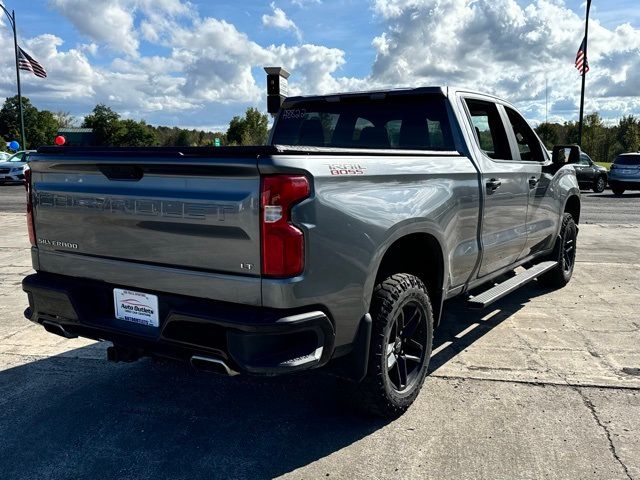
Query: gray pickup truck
(337, 244)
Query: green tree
(44, 131)
(136, 134)
(252, 129)
(549, 133)
(628, 134)
(183, 138)
(40, 126)
(593, 135)
(571, 132)
(106, 125)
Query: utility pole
(12, 21)
(584, 73)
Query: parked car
(12, 170)
(4, 156)
(337, 244)
(625, 173)
(590, 175)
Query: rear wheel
(600, 184)
(617, 191)
(401, 342)
(564, 253)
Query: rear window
(403, 122)
(627, 160)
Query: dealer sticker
(136, 307)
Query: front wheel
(564, 253)
(401, 342)
(600, 184)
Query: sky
(198, 63)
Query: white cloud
(304, 3)
(504, 48)
(207, 68)
(103, 21)
(280, 20)
(112, 22)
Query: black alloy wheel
(401, 342)
(405, 346)
(564, 253)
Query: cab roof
(443, 90)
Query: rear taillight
(282, 242)
(30, 225)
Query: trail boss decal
(346, 169)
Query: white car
(12, 169)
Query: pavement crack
(536, 383)
(612, 448)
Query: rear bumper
(248, 339)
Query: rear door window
(528, 144)
(405, 122)
(489, 129)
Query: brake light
(282, 242)
(29, 189)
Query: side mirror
(564, 154)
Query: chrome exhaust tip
(213, 365)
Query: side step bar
(505, 288)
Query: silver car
(625, 173)
(12, 170)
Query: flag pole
(584, 73)
(12, 20)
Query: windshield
(404, 122)
(17, 157)
(628, 160)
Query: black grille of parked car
(4, 170)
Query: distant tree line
(603, 143)
(109, 129)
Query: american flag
(582, 64)
(27, 62)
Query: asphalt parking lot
(544, 384)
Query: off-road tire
(561, 274)
(376, 394)
(600, 184)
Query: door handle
(493, 185)
(533, 181)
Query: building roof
(75, 130)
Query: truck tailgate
(174, 213)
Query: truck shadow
(74, 416)
(66, 417)
(460, 327)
